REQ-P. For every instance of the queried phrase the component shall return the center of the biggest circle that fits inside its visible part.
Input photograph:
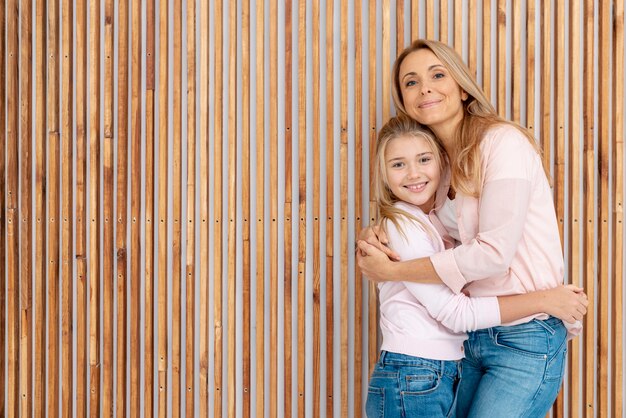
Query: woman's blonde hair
(479, 115)
(398, 126)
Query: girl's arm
(568, 303)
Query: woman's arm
(376, 266)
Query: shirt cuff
(447, 270)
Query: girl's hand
(375, 236)
(566, 302)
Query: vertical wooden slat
(559, 144)
(67, 253)
(443, 22)
(559, 119)
(315, 34)
(458, 26)
(260, 209)
(430, 19)
(486, 74)
(386, 59)
(589, 205)
(414, 20)
(82, 355)
(108, 215)
(203, 371)
(574, 159)
(245, 203)
(26, 200)
(94, 205)
(302, 154)
(232, 204)
(530, 66)
(372, 302)
(136, 168)
(218, 193)
(343, 175)
(501, 58)
(121, 246)
(330, 207)
(399, 26)
(190, 270)
(3, 226)
(176, 115)
(273, 66)
(11, 257)
(163, 295)
(545, 137)
(358, 211)
(604, 138)
(516, 61)
(288, 254)
(617, 332)
(149, 215)
(471, 36)
(53, 207)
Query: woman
(504, 218)
(424, 325)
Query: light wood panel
(26, 358)
(12, 215)
(92, 159)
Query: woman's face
(412, 171)
(430, 94)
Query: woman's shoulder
(505, 137)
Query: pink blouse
(509, 237)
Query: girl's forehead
(409, 143)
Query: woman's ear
(464, 95)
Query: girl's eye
(425, 160)
(397, 165)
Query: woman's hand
(375, 236)
(373, 263)
(566, 302)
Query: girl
(423, 325)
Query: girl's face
(430, 94)
(412, 171)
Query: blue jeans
(513, 371)
(407, 386)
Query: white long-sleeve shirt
(427, 320)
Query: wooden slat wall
(244, 130)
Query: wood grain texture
(140, 146)
(617, 315)
(26, 358)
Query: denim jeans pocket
(375, 403)
(555, 369)
(426, 397)
(420, 380)
(531, 343)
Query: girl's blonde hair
(398, 126)
(479, 115)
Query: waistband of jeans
(447, 367)
(550, 325)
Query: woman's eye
(439, 75)
(410, 83)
